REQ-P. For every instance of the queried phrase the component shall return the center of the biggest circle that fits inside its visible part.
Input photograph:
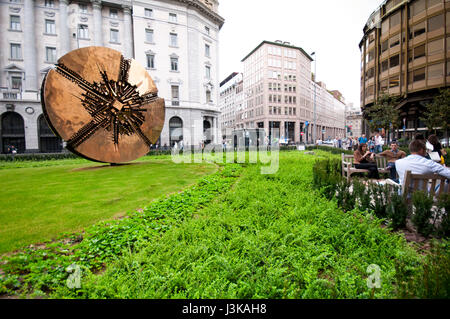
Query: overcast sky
(331, 28)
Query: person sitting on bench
(392, 156)
(363, 159)
(418, 164)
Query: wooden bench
(348, 167)
(435, 185)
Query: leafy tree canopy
(383, 113)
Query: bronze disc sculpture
(104, 106)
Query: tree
(383, 113)
(438, 113)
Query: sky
(331, 28)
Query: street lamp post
(315, 94)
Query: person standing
(379, 142)
(363, 159)
(362, 139)
(392, 156)
(371, 144)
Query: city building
(279, 94)
(404, 52)
(354, 121)
(176, 40)
(230, 102)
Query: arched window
(175, 130)
(207, 131)
(48, 142)
(12, 132)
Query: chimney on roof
(278, 41)
(287, 43)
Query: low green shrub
(380, 199)
(432, 281)
(330, 149)
(423, 213)
(36, 157)
(326, 176)
(443, 228)
(397, 211)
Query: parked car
(444, 142)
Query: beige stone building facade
(405, 52)
(279, 95)
(175, 40)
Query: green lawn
(40, 200)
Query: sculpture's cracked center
(117, 105)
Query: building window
(113, 13)
(114, 35)
(82, 8)
(385, 27)
(175, 130)
(418, 29)
(172, 17)
(207, 50)
(419, 51)
(149, 35)
(384, 46)
(208, 96)
(50, 3)
(419, 75)
(394, 81)
(148, 13)
(50, 54)
(207, 30)
(175, 95)
(394, 41)
(432, 3)
(150, 61)
(417, 7)
(16, 82)
(436, 22)
(50, 27)
(173, 40)
(14, 23)
(207, 71)
(83, 31)
(384, 65)
(16, 51)
(371, 55)
(394, 61)
(436, 47)
(436, 71)
(174, 64)
(370, 73)
(395, 19)
(383, 85)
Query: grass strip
(42, 268)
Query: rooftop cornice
(278, 44)
(205, 10)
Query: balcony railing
(11, 94)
